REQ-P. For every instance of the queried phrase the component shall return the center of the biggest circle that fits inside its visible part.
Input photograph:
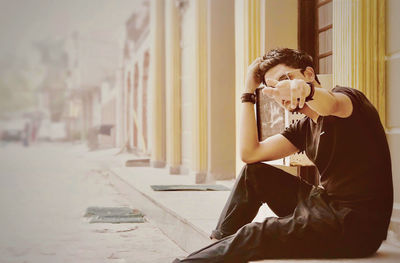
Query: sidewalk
(187, 217)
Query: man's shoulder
(344, 88)
(352, 93)
(358, 99)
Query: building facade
(183, 73)
(133, 95)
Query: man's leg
(310, 231)
(313, 230)
(283, 237)
(256, 184)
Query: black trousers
(307, 226)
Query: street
(44, 192)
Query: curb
(187, 236)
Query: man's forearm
(324, 102)
(248, 126)
(248, 130)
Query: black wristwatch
(312, 90)
(248, 97)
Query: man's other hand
(253, 79)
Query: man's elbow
(249, 156)
(250, 153)
(245, 159)
(245, 156)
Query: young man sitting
(348, 214)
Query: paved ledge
(187, 217)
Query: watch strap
(312, 91)
(248, 97)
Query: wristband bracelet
(312, 91)
(248, 97)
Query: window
(315, 32)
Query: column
(147, 118)
(142, 147)
(119, 107)
(393, 106)
(131, 105)
(200, 92)
(173, 87)
(247, 40)
(359, 48)
(135, 101)
(221, 95)
(126, 106)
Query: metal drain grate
(137, 163)
(196, 187)
(114, 215)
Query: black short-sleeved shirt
(352, 157)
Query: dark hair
(289, 57)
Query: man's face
(282, 72)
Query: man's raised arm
(251, 150)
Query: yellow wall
(280, 23)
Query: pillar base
(220, 176)
(157, 164)
(175, 170)
(204, 178)
(201, 178)
(394, 228)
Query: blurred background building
(167, 87)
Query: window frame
(308, 18)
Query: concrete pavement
(44, 192)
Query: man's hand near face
(253, 79)
(291, 94)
